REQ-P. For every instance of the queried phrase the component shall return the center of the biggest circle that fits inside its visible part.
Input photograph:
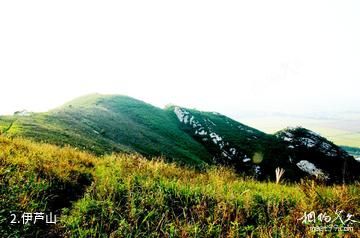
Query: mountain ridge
(118, 123)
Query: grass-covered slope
(129, 196)
(111, 123)
(105, 124)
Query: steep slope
(299, 151)
(105, 124)
(229, 142)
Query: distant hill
(104, 124)
(343, 128)
(354, 151)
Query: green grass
(103, 124)
(127, 195)
(106, 124)
(38, 177)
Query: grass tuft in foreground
(129, 196)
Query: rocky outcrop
(318, 157)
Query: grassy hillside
(126, 195)
(105, 124)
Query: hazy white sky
(226, 56)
